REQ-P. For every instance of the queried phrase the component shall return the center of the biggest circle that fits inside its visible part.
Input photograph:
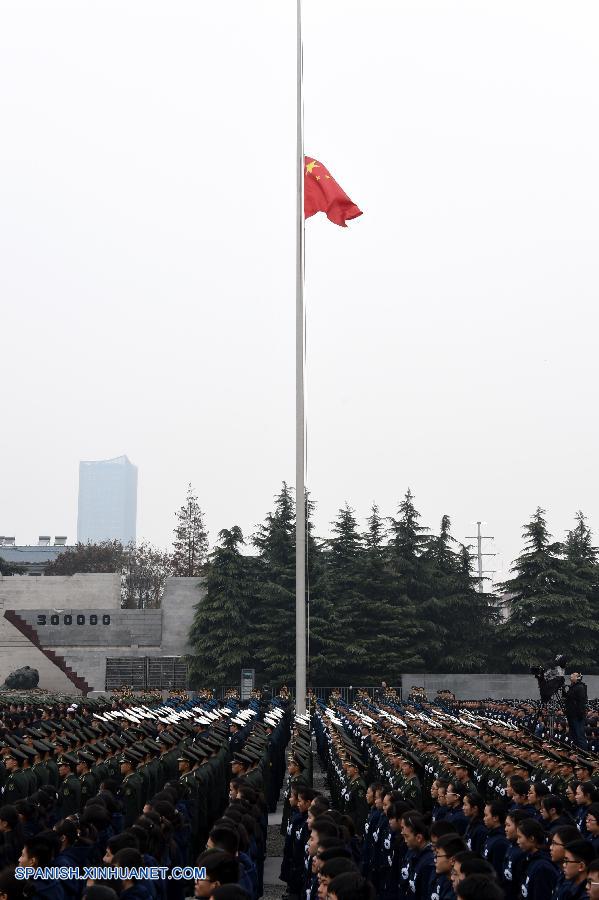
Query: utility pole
(479, 538)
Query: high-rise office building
(107, 509)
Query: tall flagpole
(300, 419)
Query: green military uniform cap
(95, 750)
(88, 758)
(128, 756)
(67, 759)
(18, 755)
(152, 747)
(30, 752)
(242, 758)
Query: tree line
(389, 598)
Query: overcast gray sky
(147, 258)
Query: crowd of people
(430, 801)
(441, 801)
(142, 793)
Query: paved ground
(273, 888)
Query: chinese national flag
(323, 194)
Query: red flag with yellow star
(323, 194)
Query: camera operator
(576, 710)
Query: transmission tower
(479, 538)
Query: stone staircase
(31, 634)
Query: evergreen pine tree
(221, 634)
(546, 617)
(463, 618)
(582, 561)
(410, 581)
(344, 577)
(385, 636)
(275, 591)
(190, 546)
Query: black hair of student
(351, 886)
(497, 810)
(42, 847)
(10, 815)
(338, 865)
(477, 800)
(220, 866)
(125, 840)
(451, 843)
(567, 833)
(398, 808)
(325, 827)
(582, 851)
(551, 801)
(415, 822)
(307, 793)
(128, 858)
(541, 790)
(464, 856)
(225, 838)
(517, 815)
(9, 884)
(230, 892)
(477, 866)
(333, 848)
(442, 827)
(533, 830)
(589, 790)
(479, 887)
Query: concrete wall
(180, 597)
(137, 633)
(119, 628)
(24, 592)
(470, 687)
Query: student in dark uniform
(496, 843)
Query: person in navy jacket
(445, 852)
(420, 859)
(454, 797)
(578, 855)
(496, 843)
(540, 875)
(473, 808)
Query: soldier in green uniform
(130, 792)
(40, 770)
(16, 785)
(89, 787)
(69, 791)
(412, 789)
(356, 805)
(188, 762)
(297, 779)
(27, 769)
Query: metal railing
(348, 693)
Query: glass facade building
(107, 508)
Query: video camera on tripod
(551, 679)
